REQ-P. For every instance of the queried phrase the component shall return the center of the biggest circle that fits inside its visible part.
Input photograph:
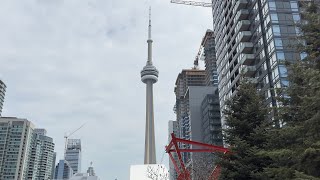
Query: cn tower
(149, 76)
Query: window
(276, 30)
(296, 17)
(272, 5)
(271, 47)
(278, 43)
(275, 74)
(284, 82)
(283, 71)
(269, 33)
(280, 56)
(274, 17)
(273, 60)
(294, 5)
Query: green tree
(295, 147)
(310, 33)
(246, 133)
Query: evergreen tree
(295, 147)
(246, 134)
(310, 33)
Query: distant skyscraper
(186, 79)
(63, 170)
(53, 165)
(45, 160)
(253, 40)
(15, 148)
(149, 76)
(2, 94)
(73, 154)
(210, 59)
(173, 128)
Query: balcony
(242, 14)
(246, 47)
(243, 25)
(249, 70)
(247, 59)
(244, 36)
(241, 4)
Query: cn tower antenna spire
(149, 62)
(149, 37)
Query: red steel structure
(183, 173)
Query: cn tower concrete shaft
(149, 76)
(150, 147)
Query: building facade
(2, 94)
(173, 128)
(210, 59)
(24, 154)
(53, 165)
(63, 170)
(253, 38)
(188, 77)
(73, 154)
(185, 79)
(16, 139)
(46, 157)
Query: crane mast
(192, 3)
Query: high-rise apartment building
(254, 38)
(188, 77)
(173, 128)
(63, 170)
(73, 154)
(42, 156)
(2, 94)
(16, 140)
(185, 79)
(24, 154)
(210, 59)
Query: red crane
(183, 173)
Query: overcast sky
(69, 62)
